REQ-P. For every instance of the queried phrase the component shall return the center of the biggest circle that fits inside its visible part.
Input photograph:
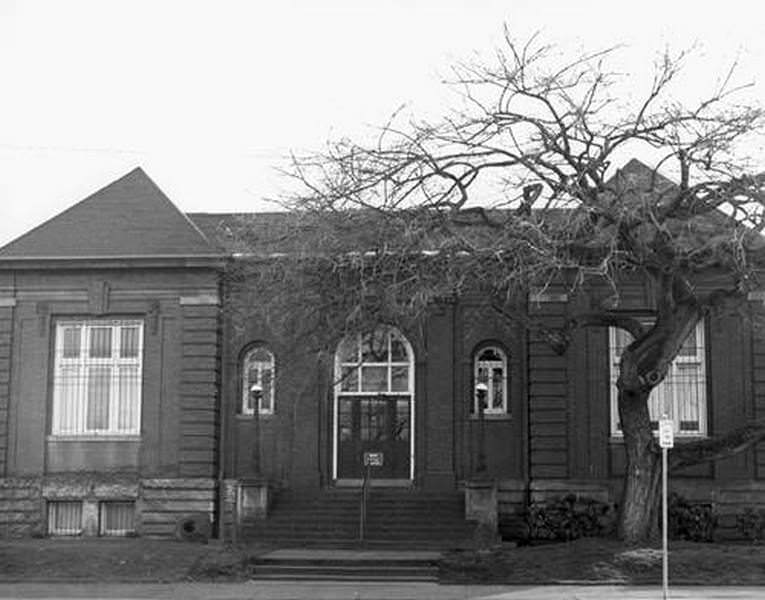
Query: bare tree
(514, 192)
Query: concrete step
(366, 565)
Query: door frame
(412, 413)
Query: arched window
(490, 368)
(258, 368)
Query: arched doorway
(374, 405)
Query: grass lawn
(117, 560)
(608, 561)
(585, 560)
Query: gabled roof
(129, 218)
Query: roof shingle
(130, 217)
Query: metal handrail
(363, 507)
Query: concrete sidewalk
(365, 591)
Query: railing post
(363, 507)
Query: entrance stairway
(396, 519)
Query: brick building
(124, 404)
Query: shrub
(751, 524)
(691, 521)
(570, 517)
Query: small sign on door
(373, 459)
(666, 433)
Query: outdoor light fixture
(481, 391)
(256, 393)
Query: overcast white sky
(209, 96)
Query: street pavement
(325, 590)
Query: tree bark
(638, 514)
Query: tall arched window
(258, 368)
(490, 368)
(374, 396)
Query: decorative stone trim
(200, 300)
(542, 297)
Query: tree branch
(693, 453)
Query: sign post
(371, 459)
(666, 441)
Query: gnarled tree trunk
(638, 515)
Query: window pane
(401, 429)
(100, 342)
(71, 342)
(349, 379)
(128, 401)
(399, 379)
(68, 393)
(398, 352)
(497, 380)
(266, 380)
(348, 351)
(374, 346)
(689, 390)
(490, 354)
(344, 425)
(260, 355)
(129, 337)
(374, 379)
(99, 379)
(689, 347)
(622, 339)
(373, 421)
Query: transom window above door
(380, 362)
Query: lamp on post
(256, 393)
(481, 391)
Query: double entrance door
(381, 425)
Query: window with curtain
(682, 394)
(97, 377)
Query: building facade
(125, 402)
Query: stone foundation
(161, 505)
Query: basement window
(117, 518)
(64, 518)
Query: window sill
(492, 417)
(115, 437)
(619, 439)
(267, 416)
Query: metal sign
(666, 434)
(373, 459)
